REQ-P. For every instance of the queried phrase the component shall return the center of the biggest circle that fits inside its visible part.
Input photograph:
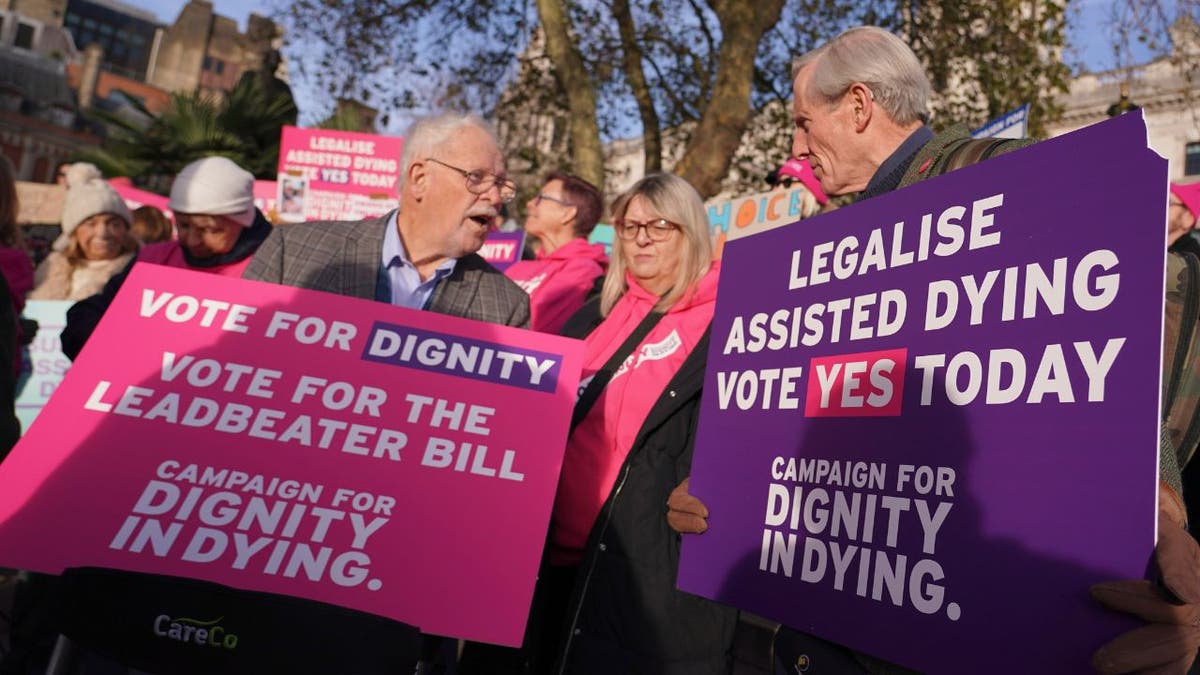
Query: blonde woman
(95, 244)
(632, 446)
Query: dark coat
(626, 616)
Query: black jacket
(626, 615)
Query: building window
(208, 63)
(1191, 164)
(220, 67)
(24, 38)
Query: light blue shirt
(399, 282)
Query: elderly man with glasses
(451, 186)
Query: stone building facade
(204, 51)
(60, 57)
(1166, 89)
(39, 119)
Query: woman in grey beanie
(95, 244)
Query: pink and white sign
(266, 198)
(337, 175)
(43, 364)
(301, 443)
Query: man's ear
(417, 179)
(862, 103)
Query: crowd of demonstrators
(605, 600)
(95, 244)
(218, 228)
(564, 272)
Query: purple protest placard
(930, 420)
(502, 249)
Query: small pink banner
(273, 439)
(266, 199)
(336, 175)
(136, 197)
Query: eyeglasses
(657, 230)
(479, 182)
(542, 195)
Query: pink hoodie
(597, 448)
(558, 283)
(170, 253)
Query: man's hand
(685, 513)
(1169, 643)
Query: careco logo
(194, 631)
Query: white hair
(429, 133)
(876, 58)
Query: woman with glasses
(633, 444)
(95, 244)
(560, 279)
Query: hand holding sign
(685, 513)
(1170, 641)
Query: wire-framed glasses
(479, 182)
(658, 229)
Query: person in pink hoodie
(15, 262)
(1183, 210)
(560, 279)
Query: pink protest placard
(136, 197)
(336, 175)
(266, 199)
(392, 461)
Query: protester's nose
(799, 144)
(492, 195)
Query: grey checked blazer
(345, 256)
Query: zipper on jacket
(607, 513)
(587, 579)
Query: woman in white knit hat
(219, 228)
(95, 244)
